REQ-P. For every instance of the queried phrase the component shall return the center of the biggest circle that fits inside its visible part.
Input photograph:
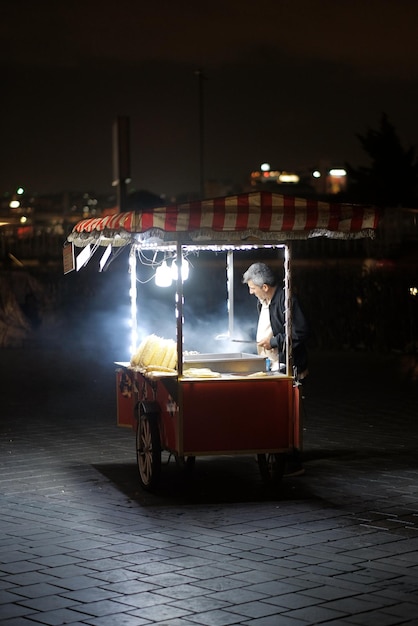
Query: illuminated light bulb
(185, 268)
(316, 174)
(174, 270)
(163, 276)
(338, 171)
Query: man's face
(258, 292)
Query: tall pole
(121, 160)
(201, 104)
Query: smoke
(205, 325)
(101, 310)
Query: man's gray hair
(260, 274)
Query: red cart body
(217, 416)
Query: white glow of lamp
(185, 268)
(163, 275)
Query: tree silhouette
(392, 177)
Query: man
(263, 284)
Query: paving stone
(237, 596)
(122, 620)
(58, 617)
(374, 619)
(8, 597)
(163, 613)
(38, 590)
(220, 584)
(253, 609)
(48, 603)
(276, 620)
(217, 617)
(104, 607)
(315, 614)
(126, 587)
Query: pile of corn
(155, 353)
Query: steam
(101, 318)
(204, 331)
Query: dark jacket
(300, 330)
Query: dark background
(290, 83)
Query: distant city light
(20, 191)
(265, 167)
(316, 174)
(14, 204)
(23, 219)
(413, 291)
(338, 171)
(288, 178)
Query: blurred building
(25, 214)
(314, 181)
(34, 226)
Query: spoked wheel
(148, 450)
(271, 468)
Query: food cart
(211, 404)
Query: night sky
(288, 82)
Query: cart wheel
(271, 468)
(148, 450)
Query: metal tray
(234, 363)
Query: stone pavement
(80, 543)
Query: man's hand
(265, 343)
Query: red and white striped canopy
(265, 215)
